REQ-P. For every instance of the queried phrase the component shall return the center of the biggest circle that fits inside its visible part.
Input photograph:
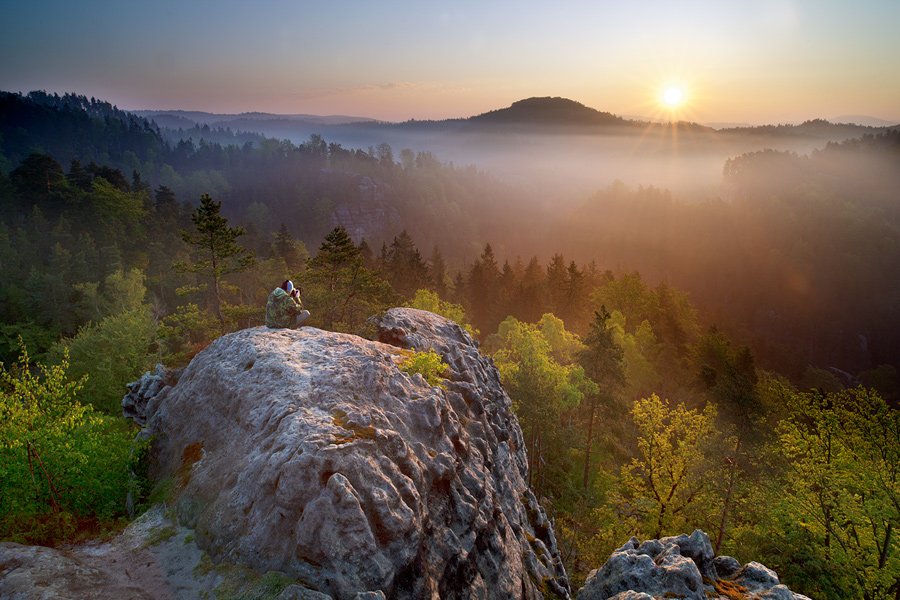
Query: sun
(673, 96)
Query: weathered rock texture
(312, 453)
(151, 560)
(134, 404)
(680, 567)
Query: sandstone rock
(631, 570)
(138, 564)
(629, 595)
(726, 566)
(680, 567)
(756, 577)
(698, 548)
(311, 453)
(134, 404)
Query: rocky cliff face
(680, 567)
(314, 454)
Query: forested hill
(548, 111)
(73, 127)
(309, 187)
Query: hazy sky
(737, 60)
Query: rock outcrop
(134, 404)
(680, 567)
(153, 559)
(313, 454)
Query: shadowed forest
(723, 358)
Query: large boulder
(680, 567)
(312, 453)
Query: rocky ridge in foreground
(681, 567)
(313, 454)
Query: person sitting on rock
(284, 309)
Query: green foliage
(429, 365)
(60, 461)
(541, 390)
(640, 354)
(428, 300)
(843, 485)
(663, 486)
(111, 353)
(185, 332)
(602, 360)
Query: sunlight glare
(673, 96)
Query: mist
(562, 163)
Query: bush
(63, 465)
(111, 353)
(430, 301)
(429, 365)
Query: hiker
(284, 309)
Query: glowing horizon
(766, 61)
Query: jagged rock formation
(680, 567)
(312, 453)
(134, 404)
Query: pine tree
(404, 266)
(602, 361)
(342, 292)
(483, 292)
(217, 252)
(437, 270)
(292, 251)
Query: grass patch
(241, 583)
(157, 536)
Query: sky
(735, 61)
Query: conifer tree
(404, 266)
(437, 269)
(602, 361)
(342, 292)
(217, 252)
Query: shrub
(63, 465)
(428, 364)
(430, 301)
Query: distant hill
(548, 111)
(865, 120)
(186, 118)
(815, 128)
(74, 127)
